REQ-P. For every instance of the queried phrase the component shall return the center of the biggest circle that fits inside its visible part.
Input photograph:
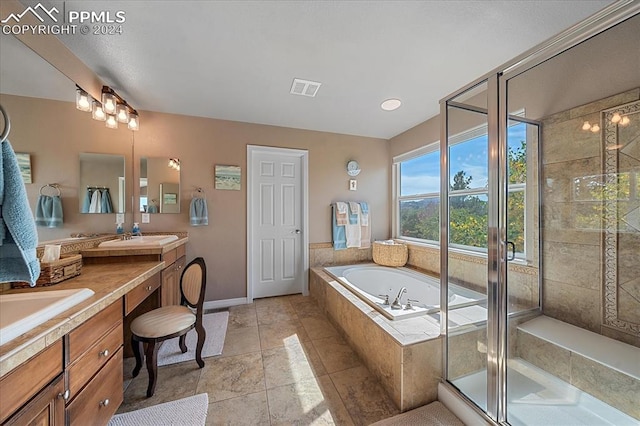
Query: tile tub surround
(603, 367)
(405, 355)
(323, 254)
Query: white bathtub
(371, 282)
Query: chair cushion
(163, 321)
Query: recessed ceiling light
(390, 104)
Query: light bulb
(595, 128)
(134, 121)
(98, 112)
(123, 114)
(615, 118)
(624, 121)
(109, 103)
(586, 126)
(112, 121)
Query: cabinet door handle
(64, 395)
(104, 403)
(104, 353)
(148, 288)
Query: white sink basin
(21, 312)
(143, 241)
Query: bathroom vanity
(69, 369)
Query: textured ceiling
(236, 60)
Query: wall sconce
(174, 163)
(111, 110)
(595, 128)
(621, 120)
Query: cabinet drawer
(169, 257)
(181, 251)
(26, 380)
(93, 359)
(138, 294)
(101, 398)
(85, 336)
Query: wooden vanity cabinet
(170, 290)
(34, 381)
(93, 354)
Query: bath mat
(433, 414)
(215, 325)
(191, 411)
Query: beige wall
(200, 143)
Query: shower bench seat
(603, 367)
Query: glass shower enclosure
(540, 212)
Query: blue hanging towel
(86, 203)
(198, 212)
(107, 206)
(339, 235)
(18, 261)
(49, 211)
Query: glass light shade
(123, 114)
(625, 120)
(83, 100)
(615, 118)
(109, 103)
(595, 128)
(134, 121)
(112, 121)
(98, 113)
(586, 126)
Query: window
(418, 200)
(417, 206)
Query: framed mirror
(159, 185)
(102, 183)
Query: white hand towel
(352, 228)
(341, 214)
(96, 202)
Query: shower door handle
(513, 251)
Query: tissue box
(69, 266)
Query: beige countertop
(133, 251)
(109, 282)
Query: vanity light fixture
(595, 128)
(174, 163)
(83, 100)
(111, 110)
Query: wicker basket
(69, 266)
(395, 254)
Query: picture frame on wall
(24, 162)
(228, 177)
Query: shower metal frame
(497, 119)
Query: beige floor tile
(241, 341)
(291, 364)
(318, 327)
(281, 334)
(364, 397)
(174, 382)
(309, 402)
(282, 301)
(271, 314)
(242, 316)
(248, 410)
(229, 377)
(336, 354)
(308, 309)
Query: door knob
(298, 231)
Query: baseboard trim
(217, 304)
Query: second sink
(143, 241)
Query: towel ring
(51, 185)
(198, 193)
(7, 125)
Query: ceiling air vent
(304, 87)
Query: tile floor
(283, 363)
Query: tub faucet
(396, 303)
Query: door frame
(303, 154)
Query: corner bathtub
(372, 282)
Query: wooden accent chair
(173, 321)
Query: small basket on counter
(68, 266)
(390, 253)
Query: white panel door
(276, 212)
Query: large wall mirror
(159, 185)
(102, 183)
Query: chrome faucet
(396, 303)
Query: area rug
(191, 411)
(215, 325)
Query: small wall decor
(170, 198)
(24, 162)
(353, 185)
(228, 177)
